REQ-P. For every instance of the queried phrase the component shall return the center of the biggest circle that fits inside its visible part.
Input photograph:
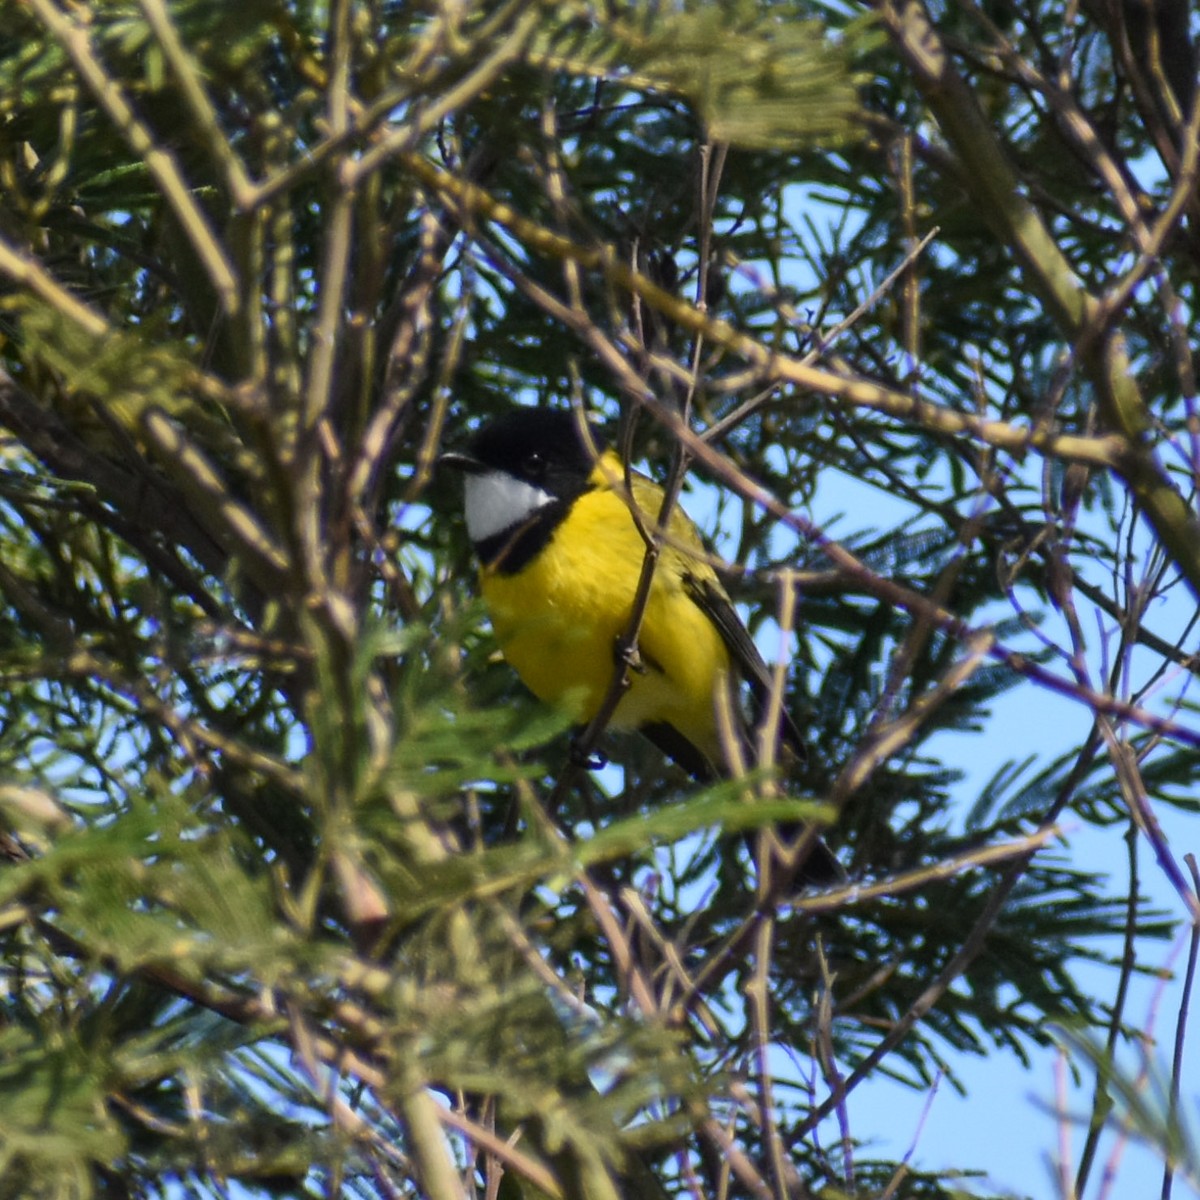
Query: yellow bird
(560, 558)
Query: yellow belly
(558, 619)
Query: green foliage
(757, 78)
(300, 893)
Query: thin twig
(1185, 999)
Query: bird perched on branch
(551, 514)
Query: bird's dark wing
(710, 597)
(821, 868)
(679, 750)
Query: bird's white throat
(496, 501)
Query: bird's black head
(540, 446)
(522, 470)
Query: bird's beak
(460, 462)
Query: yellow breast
(558, 619)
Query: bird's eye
(533, 464)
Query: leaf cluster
(301, 894)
